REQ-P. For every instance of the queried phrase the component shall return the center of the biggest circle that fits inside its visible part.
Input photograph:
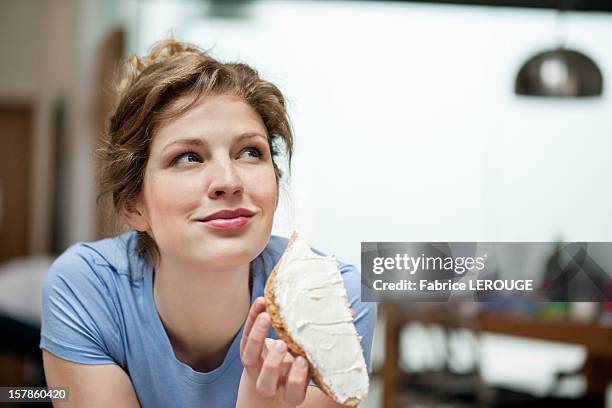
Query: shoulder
(117, 253)
(274, 250)
(83, 316)
(91, 264)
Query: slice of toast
(312, 293)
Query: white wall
(21, 30)
(406, 124)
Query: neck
(201, 309)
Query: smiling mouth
(235, 223)
(228, 214)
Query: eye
(186, 157)
(251, 152)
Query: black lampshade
(559, 73)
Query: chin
(233, 252)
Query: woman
(171, 313)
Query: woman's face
(214, 157)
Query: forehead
(211, 117)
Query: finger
(286, 367)
(267, 382)
(286, 364)
(353, 313)
(255, 342)
(295, 386)
(258, 306)
(268, 344)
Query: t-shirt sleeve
(79, 321)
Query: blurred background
(414, 121)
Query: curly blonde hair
(146, 89)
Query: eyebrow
(201, 142)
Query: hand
(268, 363)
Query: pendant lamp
(559, 72)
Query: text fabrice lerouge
(443, 285)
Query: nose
(225, 181)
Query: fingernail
(280, 346)
(301, 362)
(263, 321)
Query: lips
(228, 220)
(228, 214)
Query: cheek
(263, 186)
(166, 196)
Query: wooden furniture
(597, 340)
(16, 124)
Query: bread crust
(283, 334)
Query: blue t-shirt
(98, 308)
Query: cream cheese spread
(312, 302)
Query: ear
(135, 215)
